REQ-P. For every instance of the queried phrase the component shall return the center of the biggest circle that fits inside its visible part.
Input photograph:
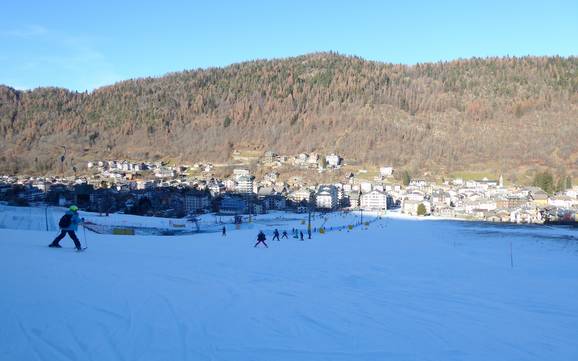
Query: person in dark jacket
(224, 231)
(71, 228)
(284, 235)
(276, 234)
(261, 239)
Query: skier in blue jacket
(68, 224)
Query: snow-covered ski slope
(400, 290)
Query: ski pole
(85, 241)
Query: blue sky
(83, 45)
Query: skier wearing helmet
(68, 224)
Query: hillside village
(162, 189)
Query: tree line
(505, 114)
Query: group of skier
(69, 222)
(261, 238)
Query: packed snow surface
(397, 289)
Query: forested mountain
(504, 114)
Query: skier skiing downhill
(261, 239)
(68, 224)
(276, 234)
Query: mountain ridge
(505, 114)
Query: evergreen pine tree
(406, 178)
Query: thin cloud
(73, 62)
(25, 32)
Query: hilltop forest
(508, 115)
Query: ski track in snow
(400, 290)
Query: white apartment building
(374, 200)
(326, 197)
(245, 184)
